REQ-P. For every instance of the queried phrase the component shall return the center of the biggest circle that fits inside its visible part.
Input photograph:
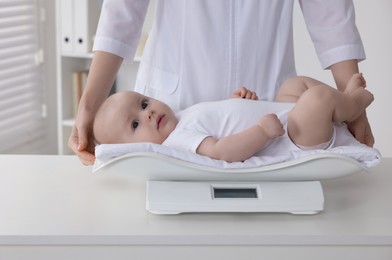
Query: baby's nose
(150, 114)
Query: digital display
(235, 193)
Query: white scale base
(175, 197)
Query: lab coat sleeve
(120, 26)
(332, 28)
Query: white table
(52, 206)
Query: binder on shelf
(79, 20)
(79, 79)
(66, 26)
(85, 24)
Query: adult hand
(81, 141)
(244, 93)
(361, 130)
(102, 73)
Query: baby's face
(129, 117)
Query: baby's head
(130, 117)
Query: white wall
(373, 20)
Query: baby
(235, 129)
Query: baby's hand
(271, 125)
(245, 93)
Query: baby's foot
(271, 125)
(357, 81)
(356, 90)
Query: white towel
(345, 144)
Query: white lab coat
(202, 50)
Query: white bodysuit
(227, 117)
(203, 50)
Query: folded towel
(344, 144)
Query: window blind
(21, 90)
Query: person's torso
(203, 50)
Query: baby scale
(175, 186)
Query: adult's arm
(332, 28)
(103, 70)
(331, 25)
(120, 26)
(117, 37)
(360, 128)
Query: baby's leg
(294, 87)
(311, 120)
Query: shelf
(69, 122)
(90, 56)
(137, 58)
(78, 55)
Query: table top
(47, 199)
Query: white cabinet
(76, 22)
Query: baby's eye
(135, 124)
(144, 104)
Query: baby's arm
(241, 146)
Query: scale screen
(235, 193)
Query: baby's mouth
(159, 121)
